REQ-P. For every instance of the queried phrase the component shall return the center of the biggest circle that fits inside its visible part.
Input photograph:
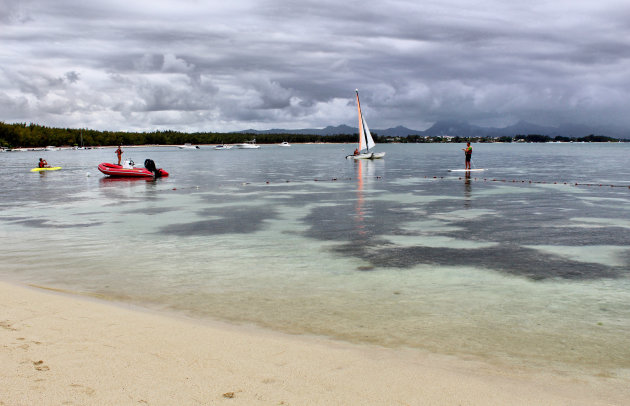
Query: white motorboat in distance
(248, 145)
(284, 144)
(188, 146)
(222, 147)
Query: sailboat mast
(362, 133)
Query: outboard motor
(150, 165)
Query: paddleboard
(54, 168)
(467, 170)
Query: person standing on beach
(468, 153)
(119, 153)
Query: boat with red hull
(129, 171)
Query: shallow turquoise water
(397, 252)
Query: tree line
(22, 135)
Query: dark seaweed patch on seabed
(232, 220)
(286, 198)
(504, 258)
(41, 223)
(151, 210)
(14, 219)
(541, 222)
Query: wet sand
(62, 349)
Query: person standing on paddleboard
(119, 153)
(468, 153)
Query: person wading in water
(119, 153)
(468, 153)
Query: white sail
(369, 141)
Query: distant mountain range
(463, 129)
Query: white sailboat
(366, 142)
(81, 146)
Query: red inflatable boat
(128, 171)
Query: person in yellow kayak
(43, 163)
(468, 153)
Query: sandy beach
(61, 349)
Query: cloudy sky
(224, 65)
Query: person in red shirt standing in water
(119, 153)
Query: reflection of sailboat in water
(365, 139)
(359, 210)
(365, 171)
(365, 229)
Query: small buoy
(87, 174)
(174, 188)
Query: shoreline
(70, 148)
(59, 348)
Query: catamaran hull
(369, 155)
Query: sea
(526, 263)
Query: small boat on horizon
(284, 144)
(188, 146)
(223, 147)
(248, 145)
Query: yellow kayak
(54, 168)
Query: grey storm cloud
(220, 66)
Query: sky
(230, 65)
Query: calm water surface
(396, 252)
